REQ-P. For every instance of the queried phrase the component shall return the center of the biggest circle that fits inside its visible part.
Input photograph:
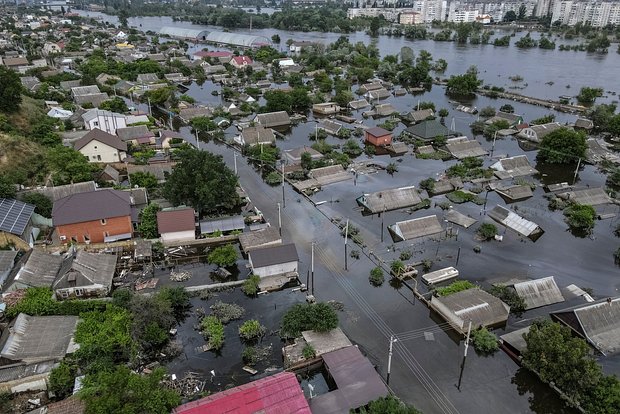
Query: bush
(213, 330)
(319, 317)
(428, 184)
(455, 287)
(62, 379)
(250, 285)
(509, 297)
(223, 256)
(460, 197)
(39, 302)
(251, 329)
(376, 276)
(273, 178)
(227, 312)
(580, 216)
(484, 341)
(397, 267)
(308, 352)
(391, 168)
(177, 297)
(405, 255)
(487, 231)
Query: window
(96, 123)
(86, 238)
(106, 234)
(64, 294)
(79, 292)
(95, 147)
(98, 157)
(103, 222)
(74, 239)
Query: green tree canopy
(318, 317)
(10, 92)
(465, 84)
(7, 188)
(202, 180)
(563, 146)
(148, 221)
(116, 104)
(588, 95)
(387, 405)
(223, 256)
(68, 166)
(43, 205)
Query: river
(546, 73)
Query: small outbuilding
(415, 228)
(177, 224)
(378, 136)
(539, 292)
(391, 199)
(16, 223)
(257, 239)
(275, 260)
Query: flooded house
(274, 260)
(429, 130)
(177, 225)
(278, 119)
(513, 167)
(463, 147)
(390, 199)
(415, 228)
(378, 136)
(515, 222)
(255, 135)
(85, 275)
(539, 292)
(327, 108)
(536, 133)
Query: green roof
(427, 130)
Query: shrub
(273, 178)
(251, 329)
(43, 205)
(510, 297)
(319, 317)
(460, 197)
(213, 331)
(391, 168)
(250, 285)
(308, 352)
(405, 255)
(455, 287)
(487, 231)
(39, 302)
(484, 341)
(177, 297)
(227, 312)
(397, 267)
(62, 379)
(428, 184)
(580, 216)
(376, 276)
(223, 256)
(249, 355)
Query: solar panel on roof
(14, 216)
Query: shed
(177, 225)
(514, 342)
(455, 217)
(392, 199)
(273, 119)
(274, 260)
(462, 147)
(513, 167)
(7, 261)
(418, 116)
(598, 323)
(40, 270)
(329, 126)
(515, 222)
(330, 174)
(279, 393)
(475, 305)
(222, 224)
(415, 228)
(327, 108)
(260, 238)
(378, 136)
(293, 156)
(15, 223)
(256, 135)
(514, 192)
(359, 104)
(439, 276)
(588, 196)
(539, 292)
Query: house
(536, 133)
(104, 120)
(297, 46)
(583, 124)
(86, 275)
(415, 228)
(100, 146)
(372, 86)
(88, 95)
(14, 63)
(279, 393)
(94, 217)
(429, 130)
(50, 48)
(257, 239)
(512, 119)
(136, 135)
(177, 225)
(418, 116)
(517, 166)
(598, 323)
(273, 119)
(187, 114)
(275, 260)
(378, 137)
(257, 135)
(327, 108)
(293, 156)
(57, 192)
(222, 224)
(16, 225)
(471, 305)
(167, 139)
(390, 199)
(59, 113)
(284, 62)
(241, 62)
(31, 83)
(539, 292)
(161, 171)
(38, 269)
(377, 94)
(515, 222)
(176, 77)
(147, 78)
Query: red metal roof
(277, 394)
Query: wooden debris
(249, 370)
(180, 276)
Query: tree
(62, 378)
(120, 390)
(406, 55)
(148, 221)
(465, 84)
(510, 297)
(223, 256)
(563, 146)
(123, 14)
(143, 179)
(116, 104)
(251, 285)
(275, 38)
(43, 205)
(202, 180)
(299, 99)
(306, 161)
(588, 95)
(484, 341)
(376, 276)
(388, 405)
(510, 16)
(319, 317)
(375, 25)
(10, 93)
(558, 357)
(522, 12)
(68, 166)
(44, 132)
(509, 109)
(580, 216)
(487, 231)
(7, 188)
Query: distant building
(410, 17)
(241, 62)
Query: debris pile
(189, 386)
(180, 276)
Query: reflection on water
(542, 399)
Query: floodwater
(567, 71)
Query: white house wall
(178, 236)
(99, 152)
(277, 269)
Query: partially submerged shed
(269, 236)
(475, 305)
(222, 224)
(415, 228)
(539, 292)
(512, 167)
(462, 147)
(461, 219)
(514, 342)
(514, 192)
(391, 199)
(515, 222)
(589, 196)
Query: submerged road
(427, 358)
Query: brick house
(378, 137)
(93, 217)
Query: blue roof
(14, 216)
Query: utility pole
(464, 356)
(493, 146)
(279, 220)
(312, 269)
(346, 236)
(389, 367)
(197, 140)
(149, 102)
(576, 171)
(382, 218)
(283, 198)
(235, 157)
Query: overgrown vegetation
(510, 297)
(454, 287)
(376, 276)
(580, 216)
(223, 256)
(487, 231)
(227, 312)
(250, 285)
(213, 330)
(251, 330)
(319, 317)
(484, 341)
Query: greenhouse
(184, 33)
(237, 39)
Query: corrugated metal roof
(40, 269)
(269, 256)
(237, 39)
(514, 221)
(222, 224)
(540, 292)
(415, 228)
(588, 196)
(461, 148)
(279, 393)
(517, 166)
(14, 216)
(455, 217)
(183, 32)
(390, 199)
(258, 238)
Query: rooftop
(259, 238)
(429, 129)
(269, 256)
(390, 199)
(88, 269)
(222, 224)
(100, 136)
(95, 205)
(40, 269)
(414, 228)
(539, 292)
(180, 219)
(514, 221)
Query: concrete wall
(178, 236)
(95, 230)
(277, 269)
(94, 291)
(100, 152)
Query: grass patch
(455, 287)
(460, 197)
(227, 312)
